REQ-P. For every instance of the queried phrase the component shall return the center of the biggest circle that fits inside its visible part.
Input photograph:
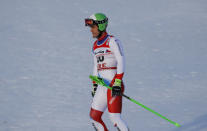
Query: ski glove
(116, 88)
(94, 88)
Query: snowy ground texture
(45, 61)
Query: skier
(108, 65)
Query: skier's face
(94, 31)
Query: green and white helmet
(99, 19)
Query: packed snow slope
(45, 61)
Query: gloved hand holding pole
(100, 81)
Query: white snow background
(45, 61)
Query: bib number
(100, 59)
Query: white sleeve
(116, 47)
(95, 72)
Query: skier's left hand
(94, 88)
(116, 88)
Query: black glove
(94, 88)
(116, 88)
(116, 91)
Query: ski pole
(100, 81)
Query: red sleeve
(119, 76)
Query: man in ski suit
(108, 65)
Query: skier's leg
(118, 122)
(99, 105)
(97, 122)
(114, 108)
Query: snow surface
(45, 61)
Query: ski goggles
(89, 22)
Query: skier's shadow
(196, 125)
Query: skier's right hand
(94, 88)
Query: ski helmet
(98, 19)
